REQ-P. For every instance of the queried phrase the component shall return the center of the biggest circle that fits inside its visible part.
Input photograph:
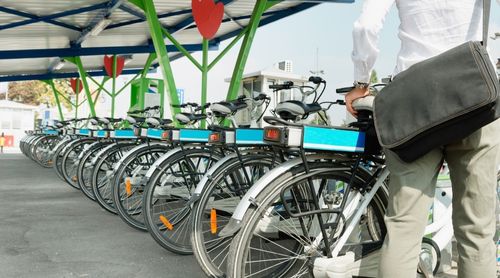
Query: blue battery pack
(194, 135)
(155, 133)
(124, 134)
(250, 136)
(333, 139)
(85, 132)
(50, 132)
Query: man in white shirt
(428, 28)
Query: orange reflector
(214, 137)
(213, 221)
(166, 223)
(128, 186)
(74, 178)
(165, 135)
(272, 134)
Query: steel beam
(56, 96)
(86, 88)
(234, 86)
(161, 52)
(93, 51)
(110, 7)
(204, 78)
(141, 19)
(48, 18)
(45, 76)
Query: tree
(37, 92)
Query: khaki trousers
(473, 164)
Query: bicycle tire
(130, 211)
(101, 183)
(69, 164)
(167, 203)
(85, 171)
(206, 218)
(295, 179)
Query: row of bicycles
(287, 200)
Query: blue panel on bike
(194, 135)
(85, 132)
(101, 134)
(245, 136)
(125, 134)
(332, 139)
(154, 133)
(50, 132)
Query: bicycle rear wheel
(167, 211)
(70, 161)
(102, 175)
(85, 169)
(128, 187)
(216, 205)
(279, 239)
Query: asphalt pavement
(48, 229)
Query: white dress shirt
(428, 28)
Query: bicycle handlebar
(344, 90)
(199, 108)
(184, 105)
(316, 80)
(286, 85)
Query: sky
(325, 29)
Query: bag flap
(433, 91)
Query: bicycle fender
(136, 148)
(208, 175)
(158, 162)
(101, 152)
(234, 223)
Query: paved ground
(48, 229)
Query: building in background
(255, 83)
(15, 119)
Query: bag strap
(486, 20)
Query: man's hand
(352, 96)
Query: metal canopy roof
(34, 33)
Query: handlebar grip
(316, 79)
(275, 87)
(202, 107)
(117, 120)
(285, 85)
(344, 90)
(151, 108)
(261, 97)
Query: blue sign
(180, 95)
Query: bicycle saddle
(134, 120)
(187, 118)
(219, 128)
(156, 122)
(226, 108)
(365, 103)
(113, 120)
(102, 120)
(291, 109)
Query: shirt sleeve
(365, 37)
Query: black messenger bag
(439, 100)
